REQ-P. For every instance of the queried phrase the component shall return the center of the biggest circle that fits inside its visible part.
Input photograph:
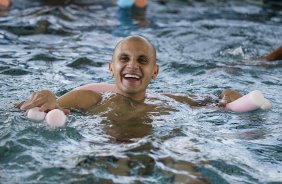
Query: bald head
(134, 66)
(137, 39)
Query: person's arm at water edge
(226, 96)
(79, 99)
(274, 55)
(193, 101)
(46, 100)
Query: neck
(139, 97)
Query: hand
(228, 96)
(44, 99)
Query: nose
(133, 64)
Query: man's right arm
(79, 99)
(46, 100)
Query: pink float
(252, 101)
(35, 114)
(54, 118)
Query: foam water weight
(54, 118)
(35, 114)
(252, 101)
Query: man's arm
(226, 97)
(46, 100)
(274, 55)
(192, 101)
(79, 99)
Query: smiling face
(133, 66)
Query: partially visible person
(130, 18)
(4, 7)
(131, 3)
(274, 55)
(4, 3)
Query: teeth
(132, 76)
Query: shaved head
(137, 38)
(133, 66)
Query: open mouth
(132, 77)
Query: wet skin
(124, 119)
(133, 66)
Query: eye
(124, 58)
(143, 60)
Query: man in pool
(126, 113)
(133, 66)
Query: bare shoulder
(97, 87)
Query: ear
(111, 68)
(155, 72)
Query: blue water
(203, 47)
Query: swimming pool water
(203, 47)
